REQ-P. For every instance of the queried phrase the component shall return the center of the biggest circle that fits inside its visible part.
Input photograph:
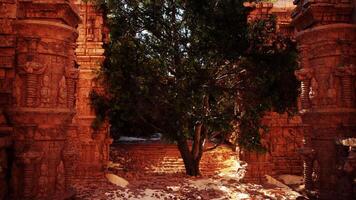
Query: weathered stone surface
(38, 86)
(36, 104)
(283, 142)
(326, 35)
(90, 147)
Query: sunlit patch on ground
(185, 188)
(225, 186)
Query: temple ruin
(50, 52)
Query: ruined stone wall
(283, 142)
(42, 144)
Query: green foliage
(173, 63)
(101, 105)
(269, 83)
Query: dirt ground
(179, 186)
(136, 184)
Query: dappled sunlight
(162, 176)
(190, 188)
(234, 169)
(225, 185)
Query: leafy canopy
(173, 63)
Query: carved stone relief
(347, 74)
(45, 92)
(332, 87)
(38, 58)
(331, 93)
(305, 75)
(62, 93)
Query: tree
(176, 67)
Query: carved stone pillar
(43, 93)
(327, 29)
(31, 69)
(93, 144)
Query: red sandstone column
(327, 32)
(92, 144)
(42, 103)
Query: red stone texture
(326, 36)
(42, 144)
(283, 141)
(89, 146)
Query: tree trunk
(191, 158)
(192, 169)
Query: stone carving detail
(31, 70)
(43, 181)
(72, 76)
(329, 32)
(17, 91)
(40, 69)
(90, 29)
(346, 75)
(305, 75)
(39, 92)
(28, 160)
(331, 93)
(308, 155)
(60, 182)
(45, 91)
(314, 92)
(62, 93)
